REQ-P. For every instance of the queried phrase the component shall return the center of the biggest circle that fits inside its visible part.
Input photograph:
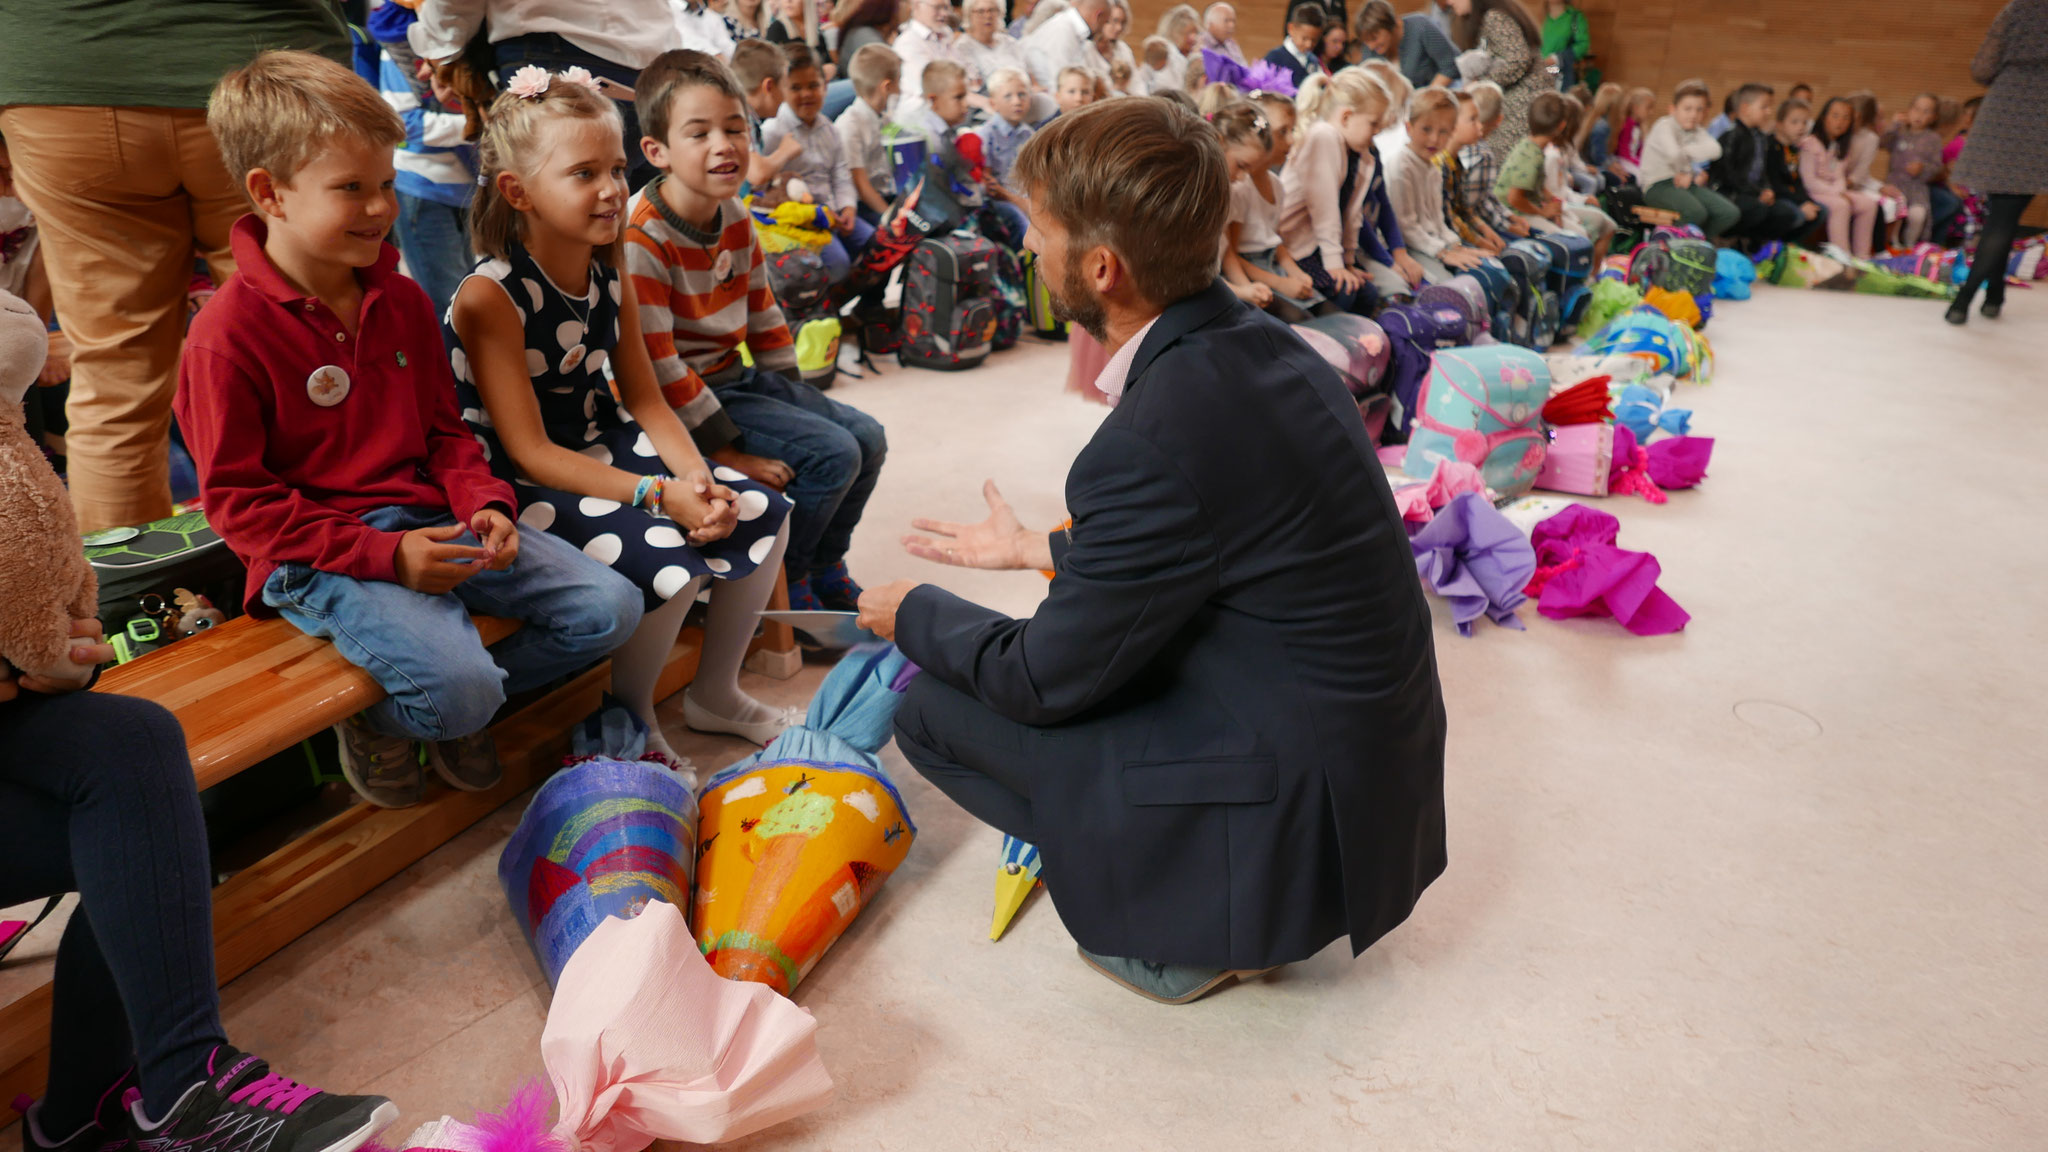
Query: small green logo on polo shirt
(401, 359)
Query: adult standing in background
(1219, 32)
(863, 22)
(1109, 41)
(983, 46)
(1181, 27)
(1566, 39)
(1334, 49)
(1411, 43)
(614, 40)
(1505, 32)
(1067, 40)
(105, 119)
(2006, 156)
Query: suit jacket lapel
(1180, 318)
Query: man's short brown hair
(278, 111)
(655, 92)
(1144, 178)
(756, 60)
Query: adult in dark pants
(612, 39)
(1223, 727)
(97, 797)
(2007, 154)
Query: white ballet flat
(703, 719)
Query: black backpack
(949, 303)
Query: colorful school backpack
(1733, 274)
(798, 279)
(1644, 331)
(1011, 301)
(1571, 269)
(817, 350)
(949, 303)
(1535, 322)
(1675, 262)
(1483, 406)
(1503, 296)
(1462, 294)
(1414, 333)
(1355, 346)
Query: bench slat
(251, 688)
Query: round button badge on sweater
(328, 385)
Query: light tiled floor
(1776, 882)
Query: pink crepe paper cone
(1680, 461)
(644, 1042)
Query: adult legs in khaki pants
(123, 197)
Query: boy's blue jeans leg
(836, 451)
(440, 682)
(435, 240)
(838, 252)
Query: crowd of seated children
(1472, 227)
(1253, 254)
(1742, 172)
(1415, 188)
(1532, 186)
(820, 160)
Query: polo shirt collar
(246, 241)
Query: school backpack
(1483, 406)
(1414, 333)
(1503, 296)
(1571, 269)
(817, 350)
(1675, 262)
(1464, 295)
(1010, 299)
(798, 279)
(949, 303)
(1038, 314)
(1536, 321)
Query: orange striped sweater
(700, 297)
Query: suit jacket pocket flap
(1222, 780)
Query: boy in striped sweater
(701, 285)
(436, 165)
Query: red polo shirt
(284, 476)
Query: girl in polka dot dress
(531, 335)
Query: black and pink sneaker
(242, 1106)
(109, 1130)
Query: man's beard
(1077, 303)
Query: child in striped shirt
(702, 289)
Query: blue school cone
(1015, 879)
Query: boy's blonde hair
(1008, 77)
(756, 60)
(1060, 81)
(940, 75)
(872, 65)
(1428, 102)
(1399, 90)
(511, 143)
(1195, 74)
(1321, 96)
(1486, 100)
(281, 109)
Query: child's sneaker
(242, 1106)
(835, 589)
(468, 764)
(385, 770)
(109, 1130)
(801, 598)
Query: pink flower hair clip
(530, 82)
(577, 74)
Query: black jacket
(1739, 147)
(1782, 168)
(1232, 678)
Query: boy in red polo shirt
(317, 400)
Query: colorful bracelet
(640, 490)
(657, 492)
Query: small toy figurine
(196, 613)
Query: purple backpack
(1415, 333)
(1463, 294)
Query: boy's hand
(1810, 209)
(1299, 286)
(428, 563)
(1348, 279)
(846, 219)
(706, 510)
(1681, 180)
(1767, 196)
(1261, 295)
(1518, 227)
(500, 536)
(788, 150)
(760, 469)
(1408, 268)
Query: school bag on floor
(1414, 333)
(1503, 296)
(1483, 406)
(1038, 314)
(1537, 321)
(949, 303)
(798, 279)
(1527, 269)
(1674, 261)
(1571, 267)
(1011, 302)
(1464, 295)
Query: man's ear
(1104, 269)
(263, 192)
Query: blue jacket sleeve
(1139, 562)
(1381, 233)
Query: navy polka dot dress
(569, 340)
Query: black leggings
(97, 797)
(1994, 247)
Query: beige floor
(1776, 882)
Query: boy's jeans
(435, 239)
(441, 683)
(835, 450)
(839, 252)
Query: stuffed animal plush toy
(45, 582)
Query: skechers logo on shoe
(221, 1085)
(228, 1133)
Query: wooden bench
(253, 688)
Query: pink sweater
(1820, 170)
(1311, 219)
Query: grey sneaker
(469, 763)
(1166, 983)
(385, 770)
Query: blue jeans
(835, 254)
(440, 682)
(435, 239)
(835, 450)
(839, 96)
(1008, 225)
(1944, 205)
(555, 53)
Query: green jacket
(1567, 30)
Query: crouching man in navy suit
(1222, 728)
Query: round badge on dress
(721, 268)
(328, 385)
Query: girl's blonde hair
(1606, 106)
(1638, 98)
(1215, 98)
(510, 143)
(1399, 90)
(1322, 96)
(1242, 122)
(1429, 101)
